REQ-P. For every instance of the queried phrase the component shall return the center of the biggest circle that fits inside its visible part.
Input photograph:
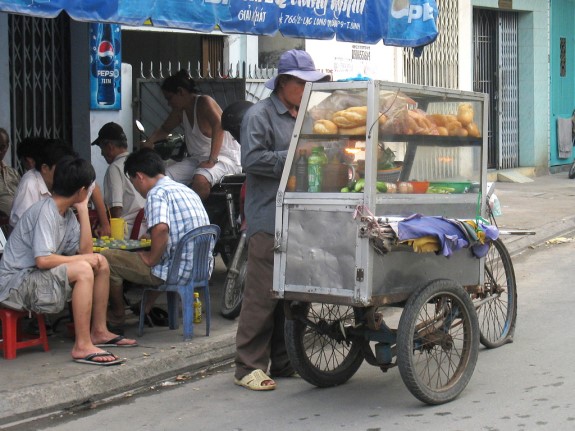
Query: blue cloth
(450, 236)
(181, 209)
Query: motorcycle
(223, 208)
(234, 285)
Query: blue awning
(407, 23)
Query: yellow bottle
(197, 308)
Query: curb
(136, 373)
(517, 245)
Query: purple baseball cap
(299, 64)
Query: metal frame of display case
(321, 253)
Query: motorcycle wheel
(572, 171)
(234, 288)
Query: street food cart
(393, 159)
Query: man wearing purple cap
(265, 135)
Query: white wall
(381, 62)
(124, 118)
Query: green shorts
(42, 291)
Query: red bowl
(420, 187)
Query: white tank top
(199, 145)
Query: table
(105, 243)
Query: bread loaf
(359, 130)
(351, 117)
(325, 127)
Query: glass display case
(393, 150)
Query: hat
(299, 64)
(110, 131)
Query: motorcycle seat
(233, 179)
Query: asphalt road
(526, 385)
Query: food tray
(449, 187)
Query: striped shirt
(181, 209)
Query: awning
(408, 23)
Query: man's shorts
(184, 171)
(42, 291)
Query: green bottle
(315, 165)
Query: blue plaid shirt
(181, 209)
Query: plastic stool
(14, 339)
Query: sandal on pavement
(254, 381)
(90, 359)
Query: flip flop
(89, 359)
(114, 343)
(159, 317)
(156, 316)
(254, 380)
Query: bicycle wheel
(437, 342)
(317, 344)
(498, 310)
(572, 171)
(234, 288)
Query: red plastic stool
(13, 338)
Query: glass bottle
(301, 172)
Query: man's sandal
(254, 381)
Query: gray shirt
(41, 231)
(265, 137)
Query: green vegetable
(345, 190)
(381, 186)
(440, 190)
(359, 185)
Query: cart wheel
(234, 289)
(437, 342)
(317, 345)
(498, 310)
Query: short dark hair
(146, 161)
(30, 146)
(181, 79)
(51, 153)
(71, 174)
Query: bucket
(118, 227)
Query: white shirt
(31, 189)
(119, 192)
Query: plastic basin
(449, 187)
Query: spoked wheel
(317, 345)
(497, 311)
(437, 342)
(234, 288)
(572, 171)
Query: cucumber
(359, 185)
(381, 186)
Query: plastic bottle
(301, 174)
(197, 308)
(314, 170)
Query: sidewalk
(38, 382)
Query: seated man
(41, 268)
(119, 193)
(172, 209)
(9, 177)
(36, 183)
